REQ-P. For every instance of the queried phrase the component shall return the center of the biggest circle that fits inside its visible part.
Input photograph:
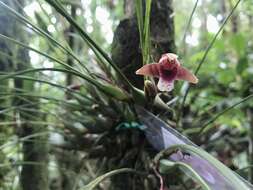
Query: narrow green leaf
(93, 184)
(41, 32)
(144, 28)
(205, 128)
(139, 13)
(146, 45)
(166, 165)
(91, 43)
(108, 89)
(38, 51)
(115, 92)
(235, 181)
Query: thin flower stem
(188, 25)
(160, 178)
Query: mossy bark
(126, 52)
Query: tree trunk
(5, 66)
(234, 20)
(203, 37)
(126, 52)
(66, 159)
(250, 149)
(33, 176)
(71, 42)
(6, 28)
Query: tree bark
(234, 20)
(5, 50)
(250, 149)
(5, 66)
(126, 52)
(71, 42)
(68, 161)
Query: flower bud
(150, 90)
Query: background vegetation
(69, 89)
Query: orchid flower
(168, 69)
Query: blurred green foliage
(81, 119)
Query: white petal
(164, 85)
